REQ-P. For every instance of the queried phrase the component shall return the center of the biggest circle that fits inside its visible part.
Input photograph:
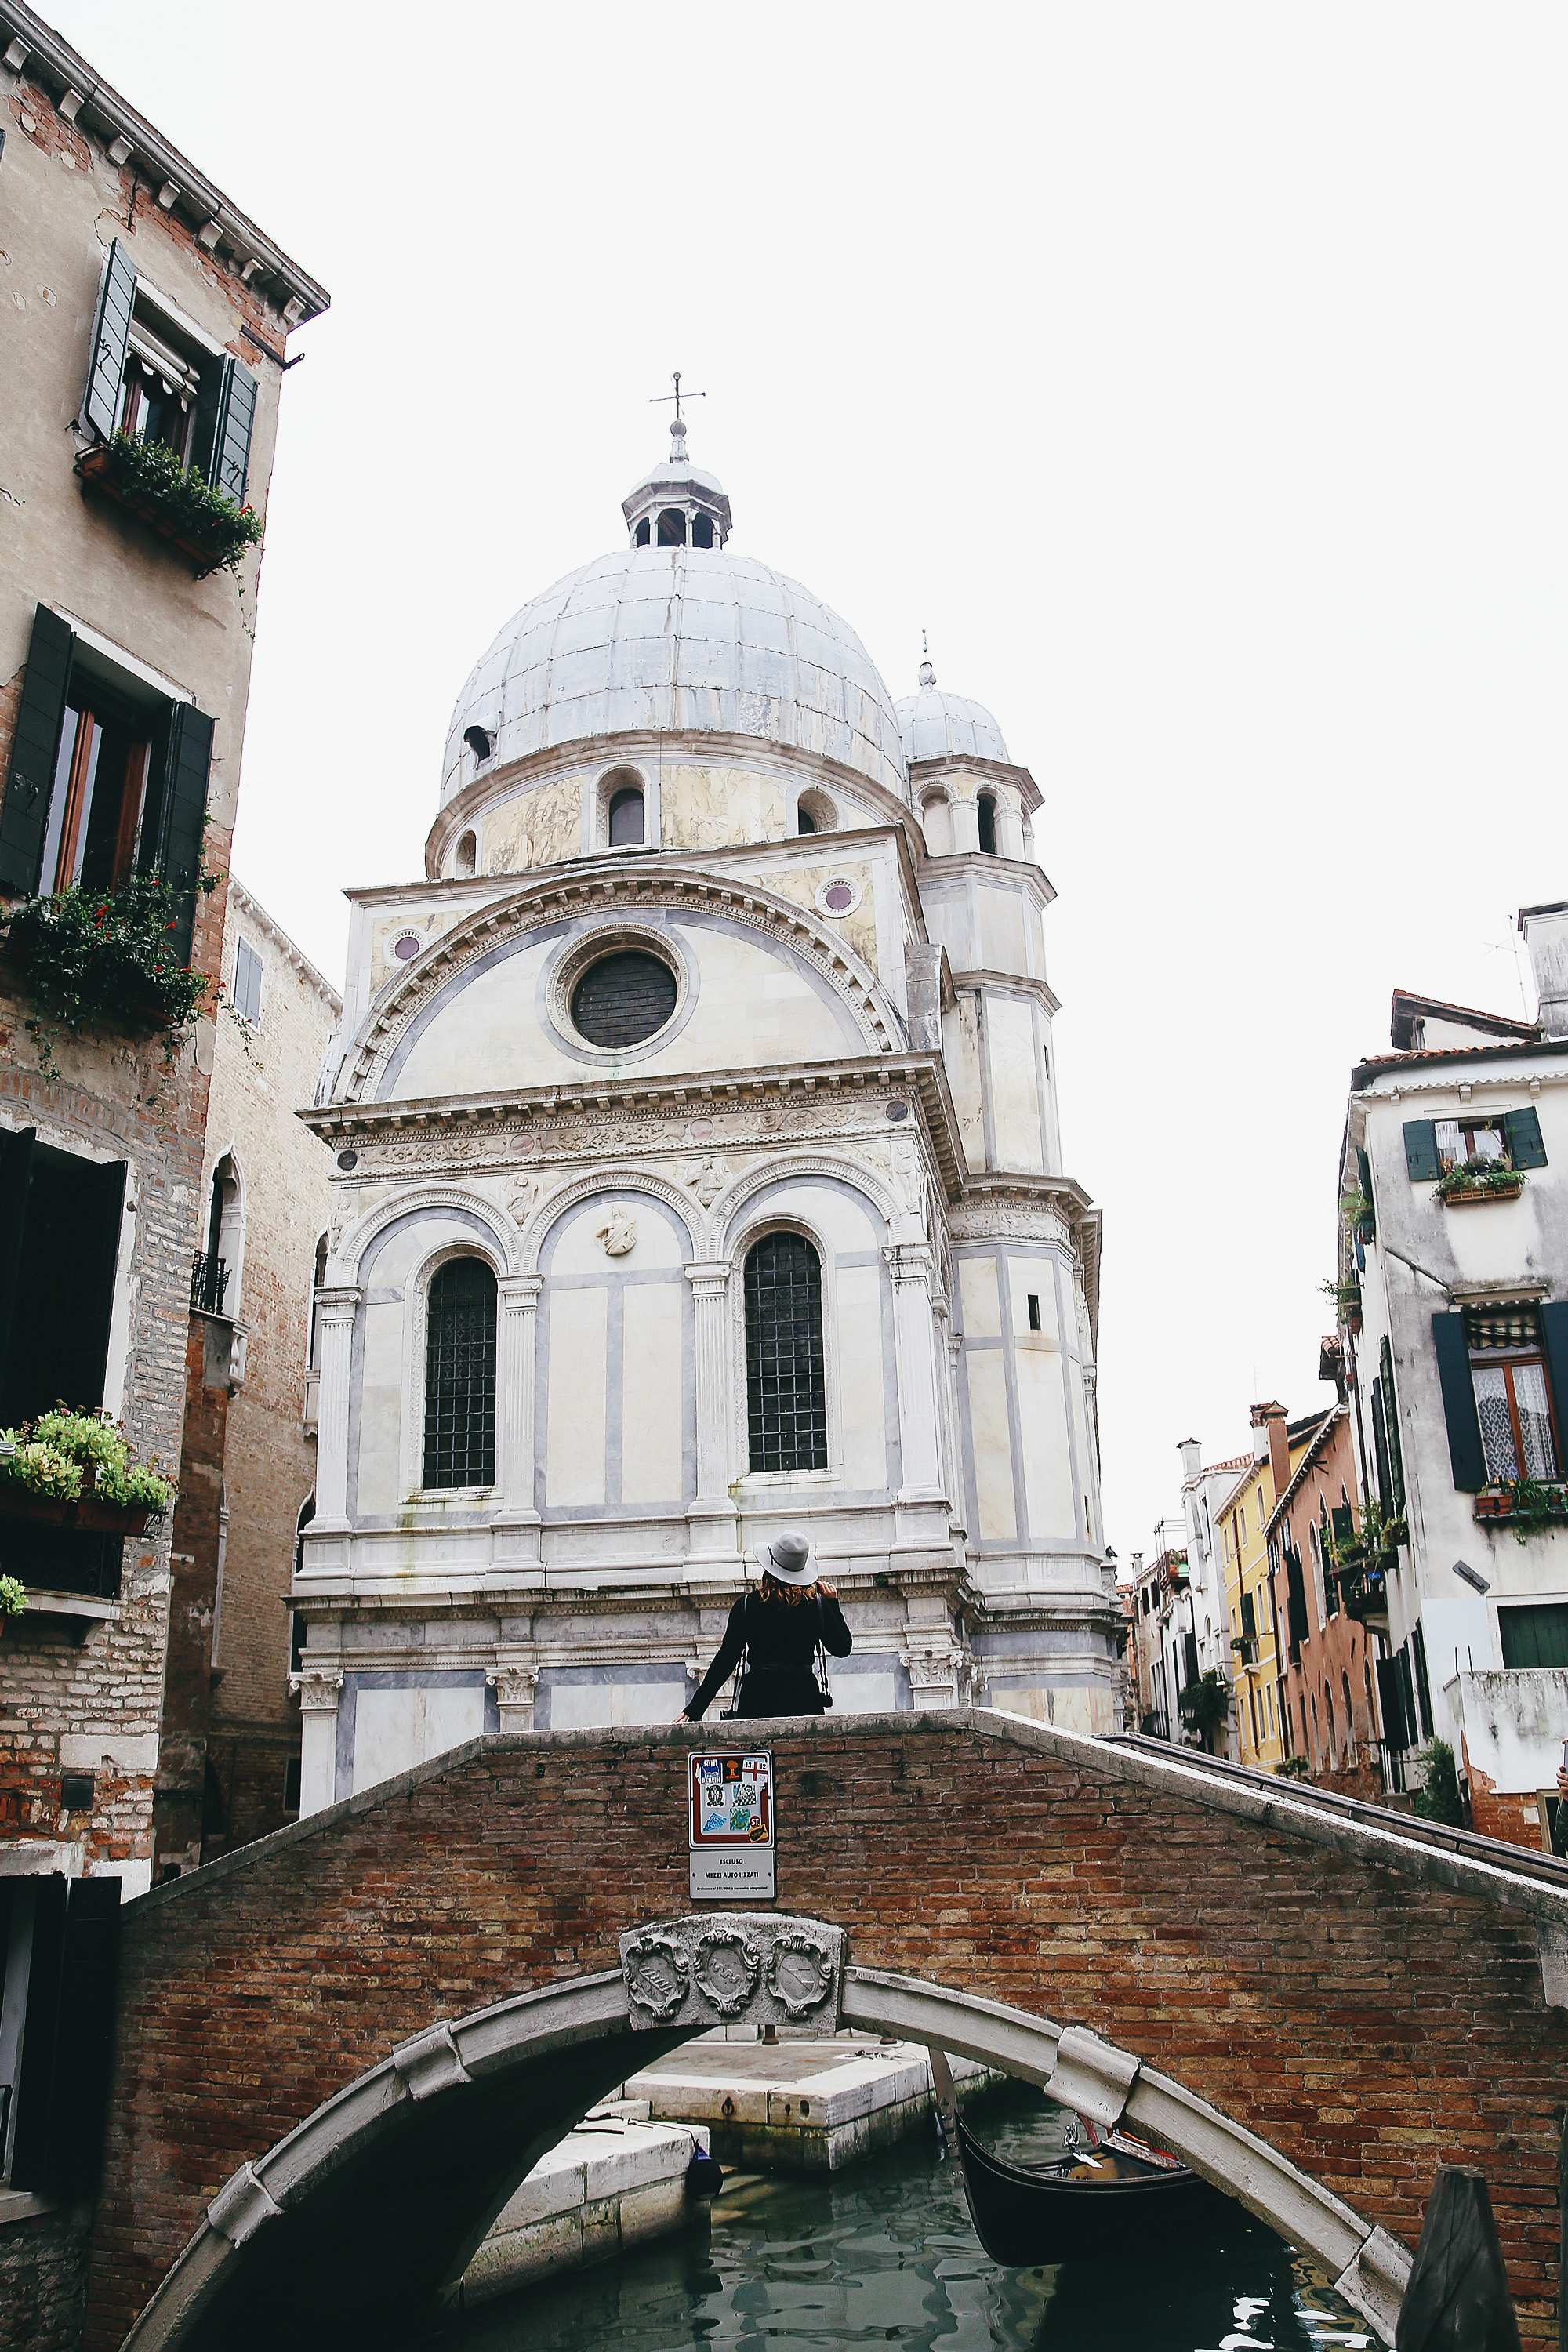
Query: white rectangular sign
(730, 1824)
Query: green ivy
(95, 955)
(152, 471)
(1438, 1798)
(12, 1596)
(1205, 1704)
(1533, 1509)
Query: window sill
(437, 1499)
(23, 2205)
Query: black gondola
(1089, 2205)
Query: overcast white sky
(1197, 375)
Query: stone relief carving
(521, 1194)
(770, 1968)
(619, 1236)
(710, 1179)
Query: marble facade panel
(991, 1449)
(579, 1367)
(1014, 1082)
(653, 1393)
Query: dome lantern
(677, 504)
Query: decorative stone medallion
(801, 1972)
(719, 1966)
(727, 1969)
(619, 1237)
(656, 1974)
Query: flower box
(169, 503)
(1496, 1503)
(88, 1515)
(1464, 1195)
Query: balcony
(209, 1282)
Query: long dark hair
(792, 1595)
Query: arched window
(673, 527)
(467, 860)
(645, 531)
(1349, 1711)
(988, 825)
(701, 531)
(626, 817)
(815, 812)
(786, 1388)
(460, 1376)
(804, 820)
(215, 1276)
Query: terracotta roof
(1501, 1049)
(1335, 1413)
(1409, 1003)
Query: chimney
(1268, 1437)
(1192, 1453)
(1545, 932)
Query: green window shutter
(39, 2030)
(89, 1953)
(1368, 1225)
(1391, 1407)
(185, 801)
(110, 337)
(1534, 1636)
(1344, 1523)
(34, 750)
(1521, 1134)
(15, 1170)
(1555, 1347)
(1380, 1447)
(1391, 1704)
(1459, 1402)
(225, 416)
(1421, 1151)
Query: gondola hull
(1029, 2214)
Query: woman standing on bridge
(778, 1632)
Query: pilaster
(712, 1521)
(319, 1689)
(909, 1265)
(336, 1310)
(516, 1359)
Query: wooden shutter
(1296, 1607)
(1391, 1702)
(185, 801)
(1391, 1407)
(1423, 1691)
(1344, 1523)
(1367, 1223)
(110, 338)
(225, 417)
(90, 1950)
(1407, 1696)
(1421, 1151)
(1380, 1447)
(33, 749)
(1521, 1134)
(39, 2025)
(101, 1205)
(16, 1167)
(1190, 1657)
(1555, 1347)
(1248, 1618)
(1459, 1402)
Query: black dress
(779, 1639)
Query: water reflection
(886, 2253)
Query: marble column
(516, 1359)
(909, 1265)
(515, 1684)
(336, 1310)
(1009, 825)
(966, 821)
(319, 1689)
(711, 1516)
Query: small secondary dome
(682, 639)
(938, 725)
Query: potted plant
(91, 956)
(1205, 1704)
(1479, 1180)
(12, 1601)
(1346, 1298)
(1534, 1507)
(148, 480)
(75, 1470)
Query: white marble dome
(938, 725)
(681, 639)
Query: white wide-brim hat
(789, 1559)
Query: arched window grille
(460, 1376)
(786, 1387)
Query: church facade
(698, 1175)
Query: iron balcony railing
(209, 1280)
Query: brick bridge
(1324, 2003)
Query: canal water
(884, 2253)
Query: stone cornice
(593, 1102)
(1001, 772)
(964, 865)
(1009, 983)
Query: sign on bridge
(730, 1810)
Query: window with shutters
(1534, 1635)
(151, 378)
(460, 1376)
(786, 1383)
(1513, 1396)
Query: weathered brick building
(229, 1764)
(143, 344)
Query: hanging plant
(64, 1456)
(147, 478)
(1205, 1704)
(12, 1596)
(95, 955)
(1468, 1178)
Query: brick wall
(1367, 2022)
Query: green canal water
(884, 2253)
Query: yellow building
(1244, 1516)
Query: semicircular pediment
(758, 981)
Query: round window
(838, 897)
(623, 998)
(407, 946)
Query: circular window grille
(623, 998)
(838, 897)
(407, 946)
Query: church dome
(937, 726)
(677, 638)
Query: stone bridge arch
(373, 2206)
(376, 2020)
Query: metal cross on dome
(662, 399)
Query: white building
(1461, 1386)
(1206, 1492)
(698, 1174)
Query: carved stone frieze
(719, 1966)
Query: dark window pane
(786, 1390)
(623, 998)
(626, 819)
(460, 1376)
